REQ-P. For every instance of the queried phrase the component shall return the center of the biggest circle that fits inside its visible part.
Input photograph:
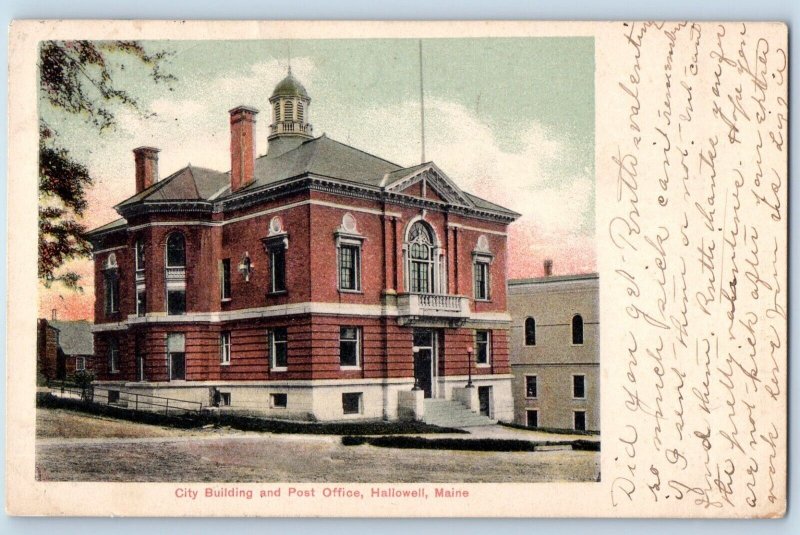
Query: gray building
(555, 353)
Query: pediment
(426, 181)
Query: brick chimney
(548, 267)
(243, 146)
(146, 159)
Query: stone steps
(449, 413)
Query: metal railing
(125, 399)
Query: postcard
(396, 269)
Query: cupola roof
(289, 87)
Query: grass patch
(553, 430)
(240, 422)
(480, 444)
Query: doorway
(424, 357)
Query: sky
(510, 120)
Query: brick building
(64, 347)
(316, 281)
(555, 352)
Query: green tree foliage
(77, 78)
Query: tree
(78, 78)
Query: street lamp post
(469, 366)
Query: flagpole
(421, 102)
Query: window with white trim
(80, 364)
(421, 261)
(176, 356)
(225, 348)
(278, 348)
(139, 255)
(349, 347)
(225, 279)
(579, 386)
(141, 301)
(348, 254)
(352, 403)
(483, 347)
(481, 280)
(113, 355)
(531, 386)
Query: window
(421, 261)
(113, 355)
(482, 280)
(225, 275)
(300, 112)
(288, 111)
(277, 262)
(530, 386)
(533, 418)
(113, 396)
(278, 401)
(349, 346)
(483, 343)
(176, 356)
(111, 280)
(580, 420)
(277, 111)
(349, 267)
(579, 386)
(577, 330)
(225, 348)
(176, 302)
(176, 250)
(141, 302)
(351, 403)
(80, 364)
(278, 348)
(530, 332)
(224, 399)
(139, 256)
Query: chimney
(146, 159)
(243, 146)
(55, 314)
(548, 267)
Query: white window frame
(225, 348)
(536, 379)
(272, 351)
(360, 403)
(141, 308)
(225, 276)
(479, 264)
(273, 405)
(357, 365)
(527, 418)
(574, 423)
(139, 259)
(166, 250)
(80, 364)
(488, 362)
(572, 385)
(356, 246)
(113, 356)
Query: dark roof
(321, 156)
(554, 278)
(75, 337)
(290, 87)
(187, 184)
(114, 225)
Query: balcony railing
(443, 306)
(289, 127)
(176, 273)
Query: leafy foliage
(78, 78)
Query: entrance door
(485, 400)
(423, 360)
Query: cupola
(290, 127)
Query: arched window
(277, 111)
(577, 330)
(300, 112)
(288, 111)
(421, 262)
(176, 250)
(530, 332)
